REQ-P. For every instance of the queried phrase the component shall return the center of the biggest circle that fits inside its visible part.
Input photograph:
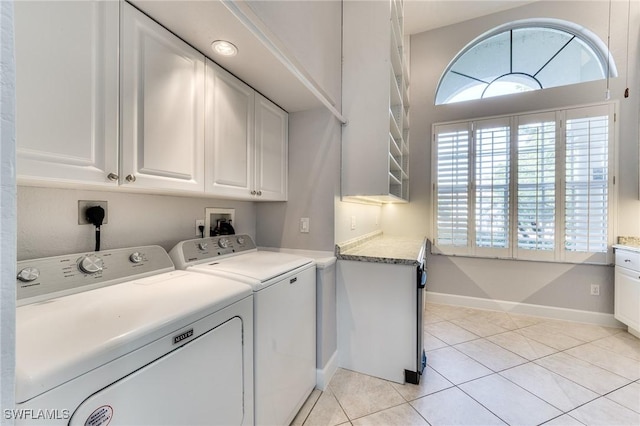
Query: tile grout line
(562, 412)
(407, 400)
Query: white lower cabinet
(67, 92)
(162, 101)
(627, 289)
(246, 141)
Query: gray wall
(48, 220)
(527, 282)
(368, 218)
(314, 180)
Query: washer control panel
(42, 279)
(200, 249)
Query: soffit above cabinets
(199, 23)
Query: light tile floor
(486, 368)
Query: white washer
(284, 288)
(121, 338)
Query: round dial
(203, 246)
(28, 274)
(90, 264)
(223, 242)
(241, 240)
(136, 257)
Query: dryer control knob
(136, 257)
(241, 240)
(223, 242)
(203, 246)
(90, 264)
(28, 274)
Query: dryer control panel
(199, 250)
(42, 279)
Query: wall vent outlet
(83, 205)
(213, 214)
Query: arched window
(523, 56)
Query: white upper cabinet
(109, 98)
(229, 134)
(246, 141)
(271, 139)
(162, 101)
(67, 92)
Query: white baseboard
(323, 377)
(589, 317)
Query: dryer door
(199, 383)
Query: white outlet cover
(304, 225)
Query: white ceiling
(424, 15)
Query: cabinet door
(67, 91)
(627, 297)
(229, 134)
(272, 132)
(162, 99)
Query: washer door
(199, 383)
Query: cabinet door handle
(627, 260)
(259, 192)
(253, 192)
(130, 178)
(112, 176)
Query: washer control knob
(203, 246)
(136, 257)
(223, 242)
(241, 240)
(28, 274)
(90, 264)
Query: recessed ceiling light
(224, 48)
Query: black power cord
(95, 216)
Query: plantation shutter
(587, 182)
(536, 187)
(451, 174)
(491, 186)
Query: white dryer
(119, 337)
(284, 288)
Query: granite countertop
(628, 243)
(379, 248)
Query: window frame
(559, 254)
(584, 36)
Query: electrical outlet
(595, 289)
(83, 205)
(353, 223)
(304, 225)
(199, 222)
